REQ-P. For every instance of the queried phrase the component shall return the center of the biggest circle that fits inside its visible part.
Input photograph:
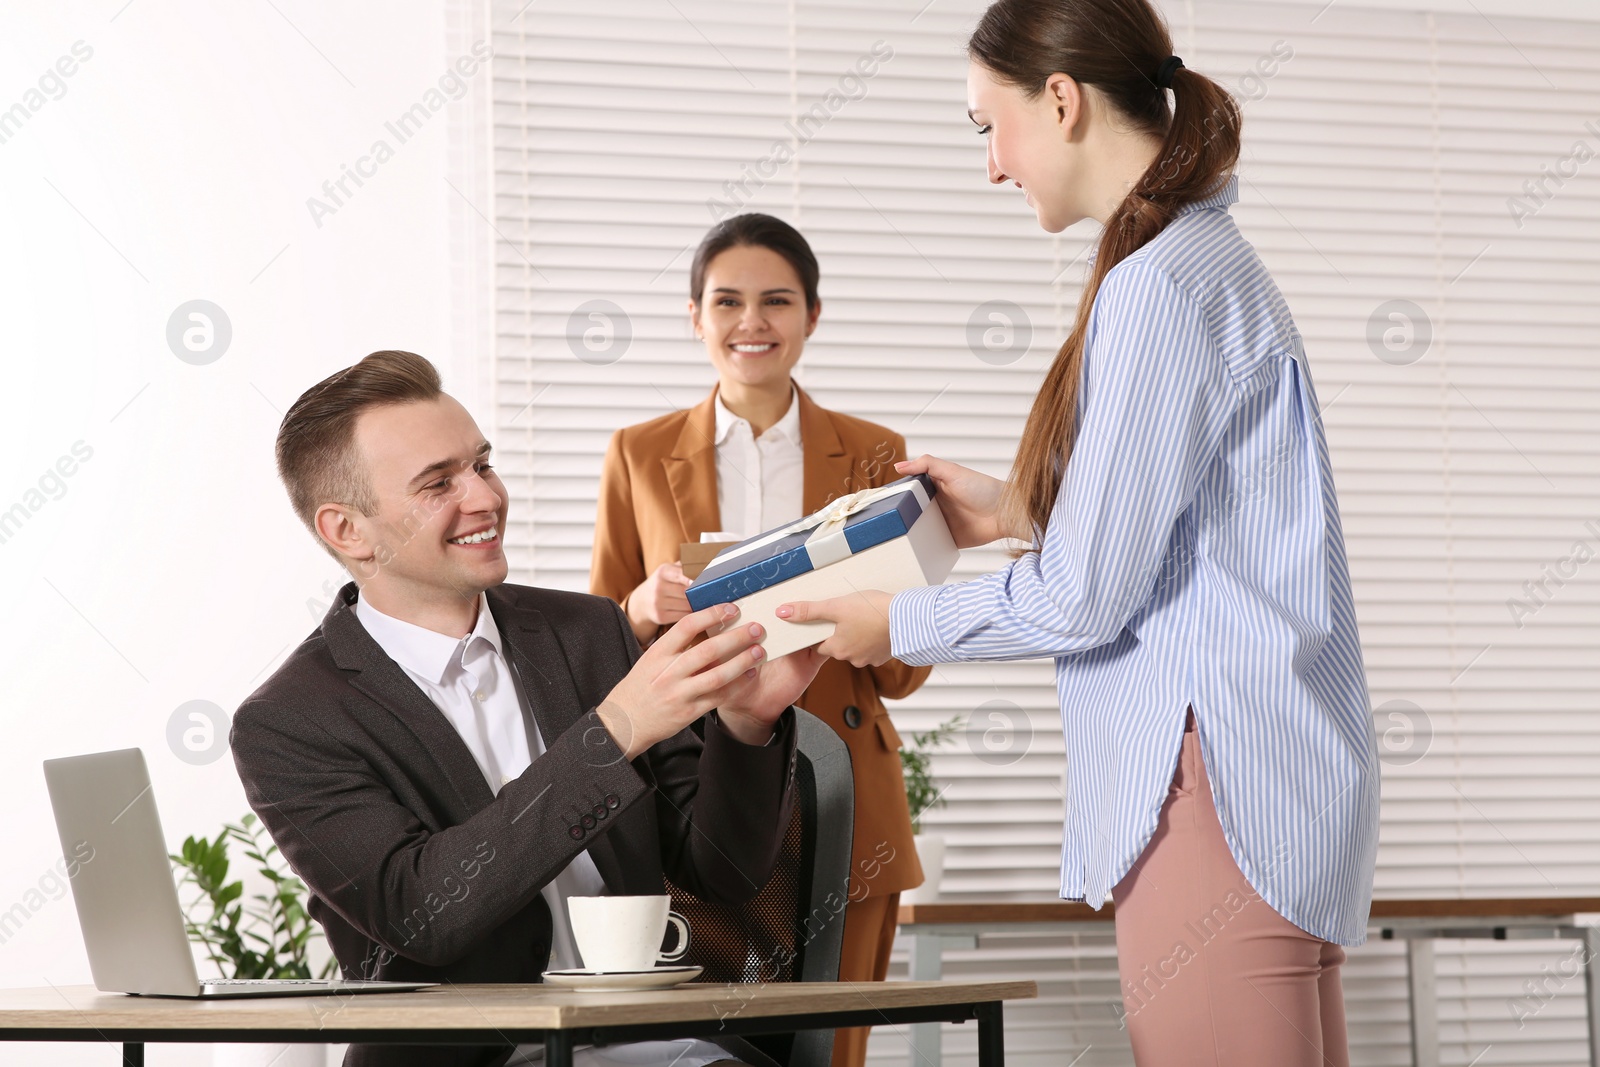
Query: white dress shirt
(760, 480)
(470, 682)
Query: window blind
(1448, 310)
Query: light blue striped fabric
(1193, 557)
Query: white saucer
(654, 978)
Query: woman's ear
(812, 314)
(1066, 96)
(694, 318)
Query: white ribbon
(827, 543)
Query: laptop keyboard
(266, 981)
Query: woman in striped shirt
(1185, 564)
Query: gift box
(890, 538)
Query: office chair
(790, 931)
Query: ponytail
(1123, 49)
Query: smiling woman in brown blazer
(761, 448)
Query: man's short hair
(316, 448)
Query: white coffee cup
(624, 933)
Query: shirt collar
(788, 426)
(1227, 193)
(421, 651)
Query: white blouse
(760, 480)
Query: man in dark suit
(448, 756)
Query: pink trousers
(1211, 975)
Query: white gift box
(889, 538)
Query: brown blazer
(418, 872)
(658, 489)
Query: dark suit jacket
(417, 871)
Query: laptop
(124, 890)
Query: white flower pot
(232, 1055)
(930, 851)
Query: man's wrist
(619, 724)
(745, 728)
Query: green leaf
(267, 938)
(916, 762)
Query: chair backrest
(793, 929)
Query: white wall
(175, 166)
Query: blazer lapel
(691, 471)
(541, 665)
(383, 680)
(828, 469)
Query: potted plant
(922, 793)
(268, 938)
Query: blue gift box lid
(730, 576)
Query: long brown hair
(1120, 48)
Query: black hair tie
(1168, 69)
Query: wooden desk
(936, 927)
(505, 1014)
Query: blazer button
(600, 811)
(575, 832)
(613, 801)
(852, 716)
(588, 821)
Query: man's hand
(672, 684)
(751, 706)
(861, 625)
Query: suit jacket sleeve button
(852, 716)
(575, 832)
(613, 801)
(600, 811)
(588, 821)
